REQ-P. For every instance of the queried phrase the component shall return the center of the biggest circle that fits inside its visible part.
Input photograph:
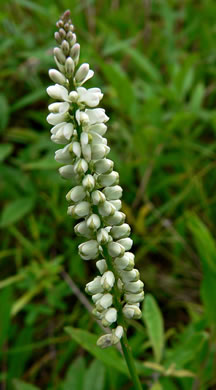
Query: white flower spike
(79, 125)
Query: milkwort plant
(117, 291)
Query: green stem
(124, 340)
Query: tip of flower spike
(66, 15)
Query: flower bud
(108, 280)
(103, 166)
(89, 250)
(115, 249)
(96, 297)
(134, 298)
(99, 151)
(81, 73)
(126, 242)
(65, 47)
(109, 179)
(132, 311)
(57, 77)
(116, 219)
(58, 53)
(113, 193)
(75, 52)
(134, 287)
(81, 229)
(57, 92)
(130, 276)
(67, 171)
(102, 237)
(69, 67)
(94, 287)
(105, 341)
(117, 334)
(76, 194)
(125, 262)
(106, 209)
(88, 182)
(101, 266)
(120, 231)
(104, 302)
(97, 197)
(117, 204)
(93, 222)
(81, 209)
(80, 166)
(109, 317)
(63, 155)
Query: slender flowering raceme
(79, 126)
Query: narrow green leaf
(95, 376)
(155, 327)
(16, 210)
(75, 375)
(20, 385)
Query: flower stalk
(95, 199)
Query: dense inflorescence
(117, 291)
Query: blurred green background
(155, 61)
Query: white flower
(110, 317)
(99, 151)
(76, 194)
(58, 116)
(134, 298)
(88, 182)
(132, 311)
(108, 280)
(104, 302)
(101, 266)
(83, 74)
(96, 115)
(62, 133)
(93, 222)
(81, 209)
(126, 242)
(57, 77)
(120, 231)
(116, 219)
(67, 171)
(89, 250)
(113, 193)
(91, 97)
(103, 165)
(115, 249)
(125, 262)
(102, 237)
(134, 287)
(97, 197)
(130, 276)
(106, 209)
(57, 92)
(94, 287)
(81, 229)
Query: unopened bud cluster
(95, 200)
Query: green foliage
(155, 62)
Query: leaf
(204, 241)
(88, 341)
(155, 327)
(5, 308)
(4, 112)
(5, 150)
(16, 210)
(95, 376)
(75, 375)
(20, 385)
